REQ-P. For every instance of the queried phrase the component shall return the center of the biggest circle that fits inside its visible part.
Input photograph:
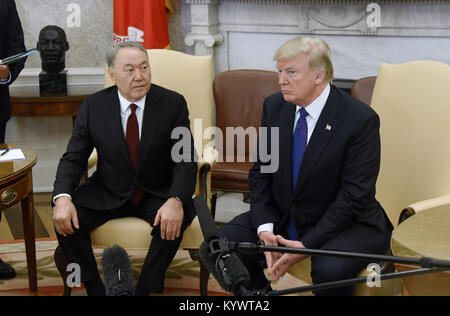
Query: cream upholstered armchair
(400, 94)
(413, 101)
(192, 77)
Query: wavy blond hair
(317, 50)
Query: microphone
(218, 254)
(225, 265)
(117, 273)
(209, 229)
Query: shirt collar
(124, 103)
(315, 108)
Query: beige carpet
(182, 277)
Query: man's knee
(325, 269)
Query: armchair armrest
(423, 206)
(92, 161)
(210, 157)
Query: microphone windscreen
(234, 269)
(225, 265)
(205, 219)
(117, 272)
(209, 260)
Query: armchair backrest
(239, 96)
(413, 102)
(190, 76)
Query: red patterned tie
(132, 138)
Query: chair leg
(61, 264)
(213, 204)
(204, 278)
(246, 198)
(204, 272)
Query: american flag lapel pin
(328, 128)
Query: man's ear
(319, 77)
(111, 74)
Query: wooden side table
(425, 234)
(46, 106)
(16, 185)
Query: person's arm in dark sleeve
(15, 42)
(260, 182)
(74, 161)
(184, 175)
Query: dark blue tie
(298, 149)
(299, 145)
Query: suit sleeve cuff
(265, 228)
(60, 195)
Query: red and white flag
(142, 21)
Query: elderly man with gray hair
(130, 125)
(323, 194)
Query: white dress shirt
(314, 110)
(125, 112)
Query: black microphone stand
(428, 265)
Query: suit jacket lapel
(115, 125)
(286, 133)
(150, 122)
(324, 129)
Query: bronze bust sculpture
(52, 46)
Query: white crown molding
(80, 81)
(210, 40)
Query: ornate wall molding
(391, 31)
(209, 40)
(345, 17)
(80, 81)
(204, 34)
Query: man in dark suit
(322, 195)
(11, 43)
(130, 125)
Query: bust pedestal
(53, 84)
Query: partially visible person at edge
(11, 43)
